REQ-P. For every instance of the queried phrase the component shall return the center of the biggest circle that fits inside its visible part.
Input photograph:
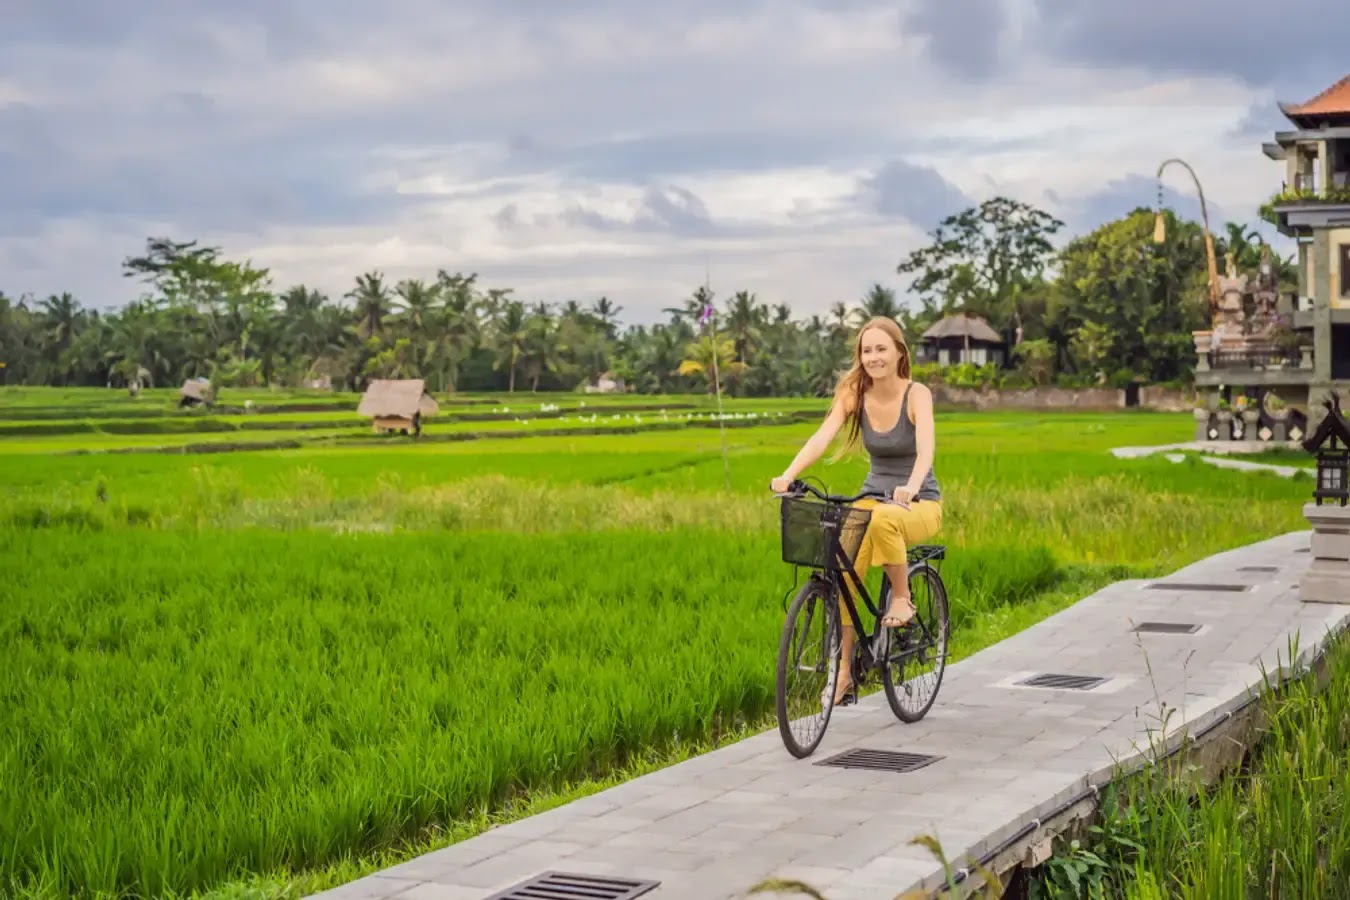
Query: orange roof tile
(1335, 100)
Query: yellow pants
(891, 532)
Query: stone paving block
(430, 890)
(821, 878)
(371, 887)
(776, 815)
(827, 822)
(456, 856)
(693, 820)
(860, 844)
(726, 837)
(507, 868)
(895, 874)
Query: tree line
(1107, 306)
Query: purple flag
(707, 314)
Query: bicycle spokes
(917, 655)
(814, 657)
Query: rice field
(262, 672)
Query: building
(1283, 373)
(397, 405)
(195, 392)
(959, 339)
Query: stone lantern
(1328, 577)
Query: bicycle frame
(839, 570)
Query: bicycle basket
(810, 528)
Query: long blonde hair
(856, 382)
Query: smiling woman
(906, 508)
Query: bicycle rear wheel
(809, 654)
(916, 655)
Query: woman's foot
(841, 690)
(894, 619)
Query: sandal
(891, 620)
(842, 697)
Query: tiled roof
(1335, 100)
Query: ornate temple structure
(1269, 358)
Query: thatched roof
(962, 326)
(195, 389)
(398, 399)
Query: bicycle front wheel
(809, 655)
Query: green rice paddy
(269, 670)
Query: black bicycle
(825, 534)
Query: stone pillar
(1305, 358)
(1250, 420)
(1225, 425)
(1201, 339)
(1321, 250)
(1323, 169)
(1328, 577)
(1201, 423)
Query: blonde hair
(856, 382)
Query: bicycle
(826, 535)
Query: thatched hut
(962, 338)
(397, 405)
(195, 392)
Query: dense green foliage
(1108, 306)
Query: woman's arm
(921, 402)
(818, 443)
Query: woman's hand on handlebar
(780, 484)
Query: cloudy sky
(573, 148)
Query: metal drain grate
(1259, 569)
(1167, 628)
(1065, 682)
(1166, 586)
(879, 760)
(570, 886)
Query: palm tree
(607, 313)
(417, 317)
(745, 320)
(461, 330)
(510, 335)
(543, 351)
(879, 301)
(372, 304)
(61, 315)
(699, 360)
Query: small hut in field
(962, 338)
(195, 392)
(397, 405)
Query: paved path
(1221, 447)
(713, 826)
(1242, 465)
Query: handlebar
(798, 488)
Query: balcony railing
(1254, 359)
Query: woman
(894, 416)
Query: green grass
(282, 668)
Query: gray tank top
(893, 455)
